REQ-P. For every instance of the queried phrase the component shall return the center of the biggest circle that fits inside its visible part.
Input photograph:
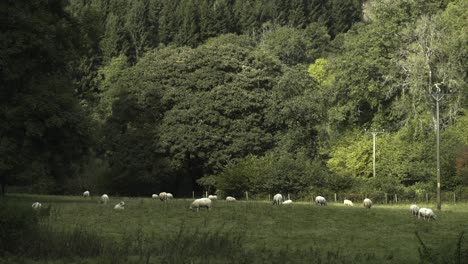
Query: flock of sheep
(425, 213)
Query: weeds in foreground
(450, 253)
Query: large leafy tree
(43, 130)
(213, 103)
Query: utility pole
(374, 135)
(438, 97)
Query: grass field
(150, 231)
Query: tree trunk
(3, 183)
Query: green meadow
(72, 229)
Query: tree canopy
(136, 97)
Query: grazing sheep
(154, 196)
(426, 213)
(277, 199)
(119, 206)
(414, 209)
(348, 203)
(163, 196)
(104, 199)
(288, 202)
(169, 196)
(200, 203)
(320, 200)
(230, 199)
(86, 194)
(367, 203)
(37, 206)
(212, 197)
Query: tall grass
(451, 252)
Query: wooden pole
(454, 198)
(335, 197)
(247, 195)
(427, 198)
(396, 198)
(386, 198)
(193, 195)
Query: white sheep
(277, 199)
(120, 206)
(169, 196)
(414, 209)
(288, 202)
(348, 202)
(320, 200)
(367, 203)
(104, 199)
(86, 194)
(200, 203)
(154, 196)
(37, 206)
(230, 199)
(212, 197)
(163, 196)
(426, 213)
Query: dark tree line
(136, 97)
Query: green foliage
(42, 123)
(293, 46)
(454, 143)
(352, 155)
(320, 72)
(272, 173)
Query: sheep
(169, 196)
(320, 200)
(348, 202)
(230, 199)
(414, 209)
(288, 202)
(37, 206)
(277, 199)
(426, 213)
(163, 196)
(120, 206)
(85, 194)
(202, 202)
(154, 196)
(367, 203)
(212, 197)
(104, 199)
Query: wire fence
(376, 197)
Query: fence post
(269, 197)
(396, 198)
(386, 198)
(454, 198)
(247, 195)
(193, 195)
(427, 198)
(335, 197)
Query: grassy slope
(384, 231)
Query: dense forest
(136, 97)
